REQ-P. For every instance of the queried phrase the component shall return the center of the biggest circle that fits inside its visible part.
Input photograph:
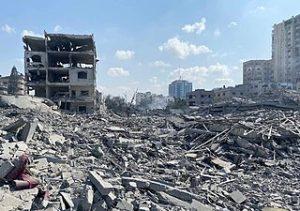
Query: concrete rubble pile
(239, 161)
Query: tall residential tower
(179, 88)
(286, 51)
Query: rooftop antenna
(179, 73)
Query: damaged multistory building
(62, 67)
(13, 84)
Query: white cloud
(232, 24)
(124, 54)
(117, 72)
(153, 80)
(224, 81)
(8, 29)
(57, 29)
(217, 33)
(236, 68)
(219, 68)
(196, 74)
(216, 74)
(197, 27)
(260, 8)
(26, 32)
(157, 86)
(122, 91)
(183, 49)
(160, 64)
(220, 54)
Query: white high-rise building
(179, 88)
(286, 51)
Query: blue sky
(146, 44)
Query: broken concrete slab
(124, 205)
(23, 129)
(28, 131)
(86, 199)
(110, 199)
(67, 200)
(56, 139)
(180, 194)
(14, 200)
(15, 126)
(102, 186)
(140, 183)
(223, 164)
(100, 205)
(5, 168)
(237, 196)
(273, 209)
(195, 205)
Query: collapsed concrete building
(151, 101)
(14, 84)
(62, 67)
(224, 94)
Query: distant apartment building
(199, 97)
(227, 93)
(258, 72)
(179, 88)
(142, 98)
(62, 67)
(258, 75)
(286, 51)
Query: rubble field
(238, 161)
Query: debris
(124, 205)
(56, 139)
(238, 197)
(5, 168)
(226, 165)
(273, 209)
(153, 162)
(13, 200)
(86, 200)
(68, 203)
(102, 186)
(23, 129)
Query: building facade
(62, 67)
(180, 88)
(143, 98)
(258, 72)
(199, 97)
(14, 84)
(228, 93)
(286, 51)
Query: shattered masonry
(62, 67)
(237, 161)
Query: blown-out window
(82, 75)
